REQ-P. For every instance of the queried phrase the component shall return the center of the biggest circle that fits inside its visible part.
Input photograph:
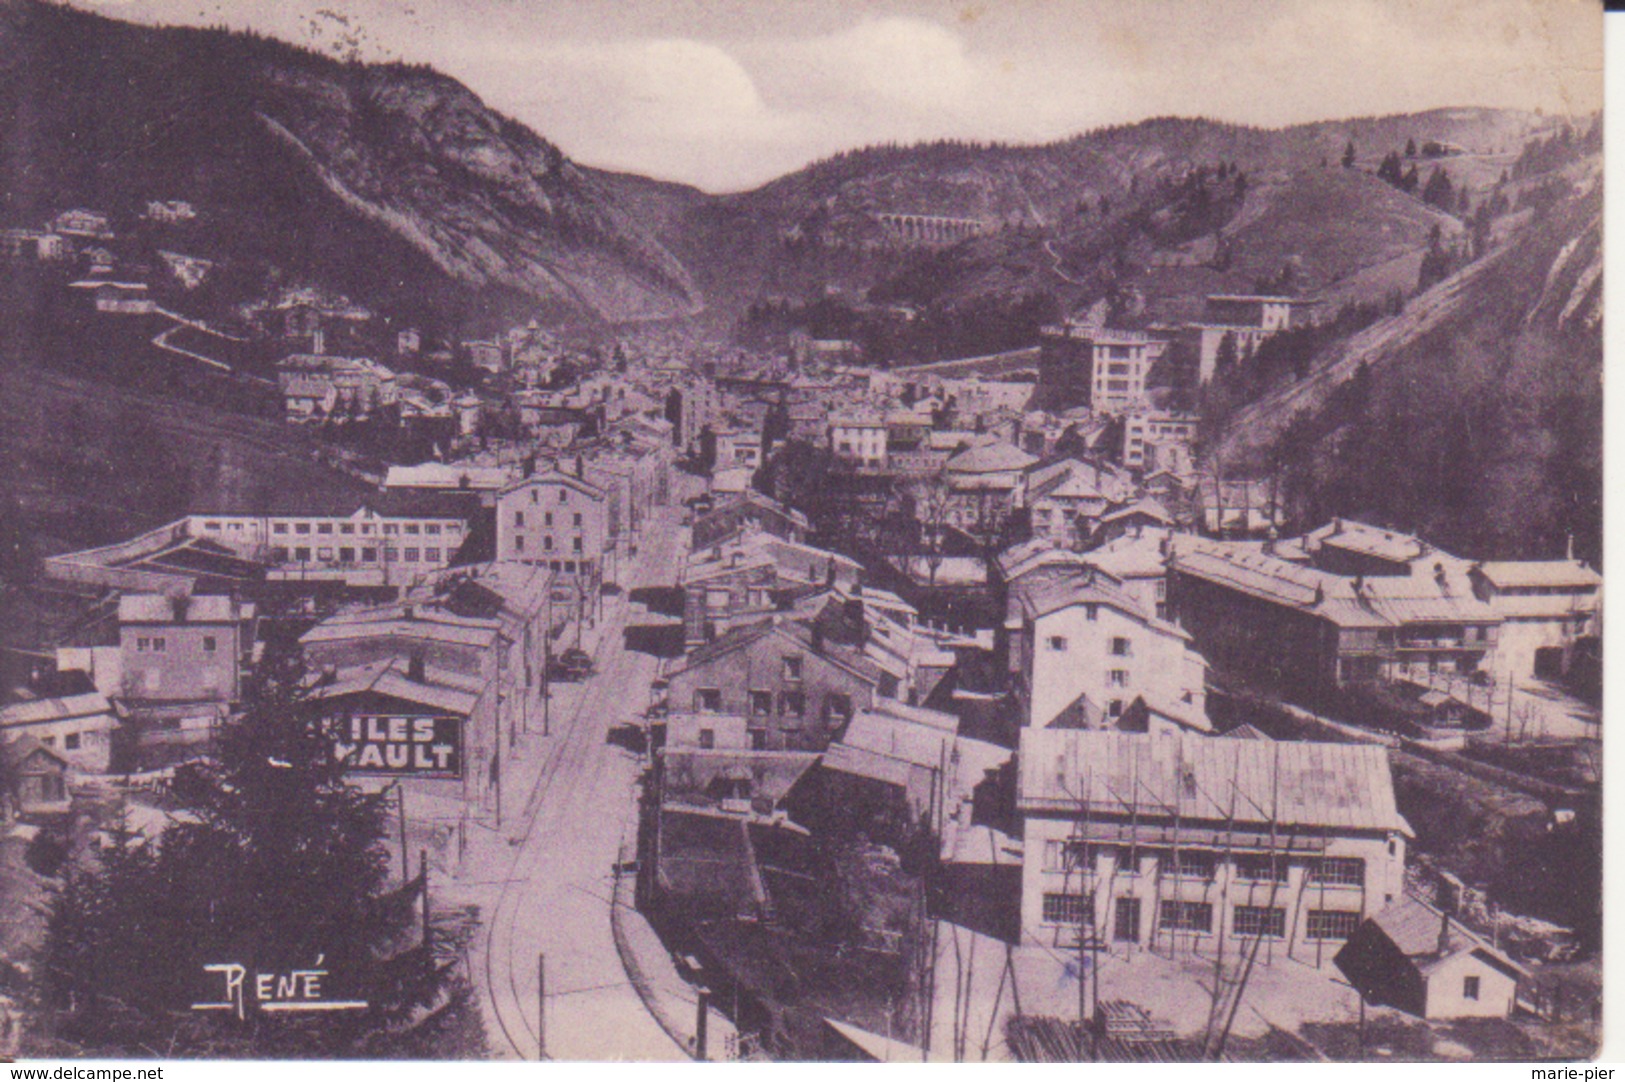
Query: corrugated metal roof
(1298, 785)
(1505, 573)
(38, 710)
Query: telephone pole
(541, 1006)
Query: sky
(727, 94)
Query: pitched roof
(1143, 506)
(36, 711)
(161, 609)
(384, 678)
(554, 477)
(995, 457)
(1299, 786)
(1414, 926)
(797, 633)
(1559, 573)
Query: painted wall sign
(400, 744)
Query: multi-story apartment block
(1085, 365)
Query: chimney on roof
(415, 669)
(1569, 549)
(527, 466)
(177, 606)
(581, 468)
(410, 612)
(1444, 934)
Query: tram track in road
(579, 775)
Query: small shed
(1421, 960)
(36, 778)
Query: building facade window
(1469, 988)
(761, 703)
(209, 644)
(1065, 908)
(1259, 921)
(1121, 647)
(1260, 868)
(1330, 923)
(708, 700)
(1057, 642)
(1186, 917)
(1187, 864)
(1338, 871)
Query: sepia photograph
(894, 531)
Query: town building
(1188, 844)
(1546, 608)
(740, 449)
(700, 407)
(1066, 500)
(83, 224)
(116, 297)
(556, 520)
(1239, 509)
(1083, 364)
(1246, 320)
(1144, 430)
(1414, 957)
(458, 662)
(393, 539)
(484, 355)
(184, 649)
(794, 688)
(986, 484)
(747, 579)
(750, 510)
(859, 437)
(1082, 651)
(314, 385)
(78, 727)
(1299, 626)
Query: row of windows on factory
(1248, 921)
(366, 529)
(344, 554)
(1070, 856)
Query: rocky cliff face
(286, 149)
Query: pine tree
(1438, 191)
(1410, 148)
(1348, 155)
(281, 866)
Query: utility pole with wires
(541, 1006)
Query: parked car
(573, 664)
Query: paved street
(551, 864)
